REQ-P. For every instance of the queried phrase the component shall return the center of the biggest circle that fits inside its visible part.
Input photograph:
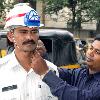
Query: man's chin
(89, 63)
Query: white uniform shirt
(17, 84)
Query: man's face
(25, 38)
(93, 56)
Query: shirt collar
(95, 75)
(15, 64)
(13, 60)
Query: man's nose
(29, 35)
(91, 53)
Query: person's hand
(41, 48)
(38, 64)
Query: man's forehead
(25, 27)
(96, 44)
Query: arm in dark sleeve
(64, 91)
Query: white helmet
(22, 15)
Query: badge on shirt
(12, 87)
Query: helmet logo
(32, 19)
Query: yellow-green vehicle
(3, 43)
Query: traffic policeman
(18, 81)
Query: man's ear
(10, 36)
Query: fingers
(38, 64)
(35, 55)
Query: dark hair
(97, 37)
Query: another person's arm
(64, 91)
(60, 88)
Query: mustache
(29, 41)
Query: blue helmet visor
(32, 19)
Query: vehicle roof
(55, 33)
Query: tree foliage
(5, 6)
(81, 10)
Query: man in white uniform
(18, 81)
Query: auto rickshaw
(60, 47)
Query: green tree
(32, 2)
(4, 8)
(81, 10)
(94, 13)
